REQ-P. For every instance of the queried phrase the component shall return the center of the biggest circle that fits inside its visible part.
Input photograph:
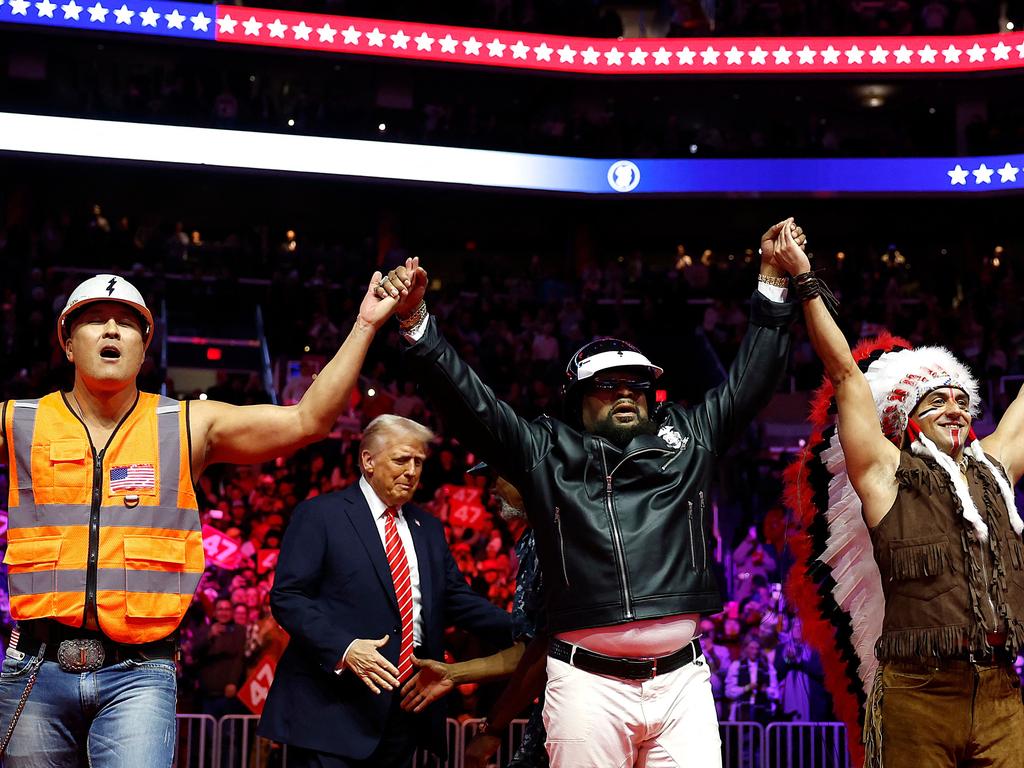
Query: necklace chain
(81, 411)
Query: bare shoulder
(201, 416)
(877, 487)
(207, 414)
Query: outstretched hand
(366, 663)
(430, 683)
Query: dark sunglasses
(637, 385)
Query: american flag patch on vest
(132, 477)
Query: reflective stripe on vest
(150, 556)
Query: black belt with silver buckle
(616, 666)
(79, 650)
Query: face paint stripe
(954, 437)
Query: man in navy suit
(342, 591)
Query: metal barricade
(806, 745)
(238, 746)
(516, 731)
(195, 741)
(203, 742)
(742, 745)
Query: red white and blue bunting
(517, 50)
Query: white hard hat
(105, 288)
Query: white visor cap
(622, 358)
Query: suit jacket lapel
(366, 528)
(422, 546)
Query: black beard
(621, 434)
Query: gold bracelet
(411, 321)
(779, 282)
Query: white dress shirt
(378, 509)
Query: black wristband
(809, 286)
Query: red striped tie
(403, 589)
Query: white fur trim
(925, 447)
(1008, 496)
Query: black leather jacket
(622, 534)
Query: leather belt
(617, 666)
(78, 650)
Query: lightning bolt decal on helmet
(105, 288)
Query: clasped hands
(782, 248)
(433, 679)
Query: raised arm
(249, 434)
(471, 409)
(1007, 442)
(871, 460)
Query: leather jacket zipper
(561, 545)
(617, 546)
(671, 458)
(693, 546)
(703, 543)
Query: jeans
(121, 716)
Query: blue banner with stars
(153, 17)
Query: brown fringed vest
(944, 589)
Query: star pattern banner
(78, 137)
(502, 48)
(192, 20)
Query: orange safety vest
(119, 528)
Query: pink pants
(595, 721)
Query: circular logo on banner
(623, 176)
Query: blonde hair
(389, 425)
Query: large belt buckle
(82, 655)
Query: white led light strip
(274, 152)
